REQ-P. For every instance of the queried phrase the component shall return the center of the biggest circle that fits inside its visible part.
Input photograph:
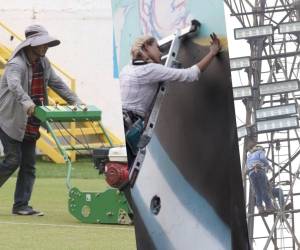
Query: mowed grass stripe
(83, 226)
(58, 229)
(17, 237)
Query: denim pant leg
(26, 175)
(12, 156)
(257, 190)
(264, 186)
(278, 193)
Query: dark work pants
(259, 181)
(278, 193)
(18, 154)
(130, 156)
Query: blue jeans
(18, 154)
(278, 193)
(259, 181)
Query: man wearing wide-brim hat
(23, 86)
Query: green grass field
(58, 229)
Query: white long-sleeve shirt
(139, 83)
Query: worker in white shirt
(139, 82)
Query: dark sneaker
(270, 210)
(27, 211)
(260, 209)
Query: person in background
(23, 86)
(257, 167)
(139, 82)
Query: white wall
(85, 30)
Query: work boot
(261, 209)
(270, 209)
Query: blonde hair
(138, 46)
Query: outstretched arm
(213, 51)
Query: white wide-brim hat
(36, 35)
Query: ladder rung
(280, 238)
(261, 237)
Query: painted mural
(133, 18)
(192, 161)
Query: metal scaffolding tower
(269, 89)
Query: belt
(255, 169)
